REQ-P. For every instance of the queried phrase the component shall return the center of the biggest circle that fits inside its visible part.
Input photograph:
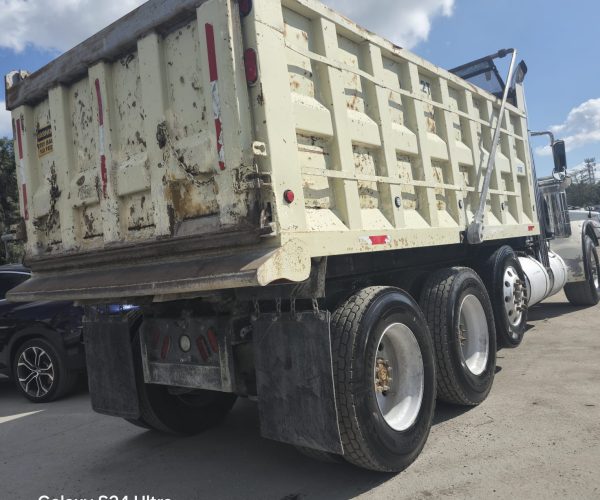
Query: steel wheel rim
(474, 335)
(514, 296)
(399, 358)
(35, 372)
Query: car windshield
(9, 280)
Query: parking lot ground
(536, 436)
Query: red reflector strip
(531, 228)
(25, 203)
(251, 65)
(212, 340)
(100, 106)
(214, 88)
(103, 170)
(22, 171)
(166, 347)
(212, 52)
(19, 140)
(155, 340)
(103, 174)
(202, 348)
(383, 239)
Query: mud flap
(111, 372)
(294, 372)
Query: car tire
(383, 325)
(586, 293)
(40, 371)
(505, 282)
(460, 317)
(184, 414)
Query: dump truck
(261, 199)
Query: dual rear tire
(384, 371)
(387, 352)
(460, 318)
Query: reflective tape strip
(22, 170)
(214, 91)
(101, 138)
(383, 239)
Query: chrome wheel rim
(474, 335)
(514, 296)
(399, 376)
(35, 372)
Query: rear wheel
(40, 372)
(505, 281)
(586, 293)
(385, 378)
(460, 318)
(173, 411)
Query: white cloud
(581, 128)
(404, 22)
(5, 122)
(61, 24)
(57, 25)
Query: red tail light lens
(251, 64)
(202, 349)
(166, 347)
(212, 340)
(289, 196)
(245, 7)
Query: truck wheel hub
(399, 377)
(514, 296)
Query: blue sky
(557, 39)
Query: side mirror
(559, 152)
(521, 72)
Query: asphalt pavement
(536, 436)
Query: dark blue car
(41, 345)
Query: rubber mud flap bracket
(296, 398)
(111, 372)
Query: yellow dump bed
(201, 145)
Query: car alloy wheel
(35, 372)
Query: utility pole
(590, 165)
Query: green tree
(9, 196)
(583, 194)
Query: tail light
(166, 347)
(202, 348)
(212, 340)
(251, 64)
(289, 196)
(245, 7)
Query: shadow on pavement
(551, 310)
(233, 461)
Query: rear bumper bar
(166, 278)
